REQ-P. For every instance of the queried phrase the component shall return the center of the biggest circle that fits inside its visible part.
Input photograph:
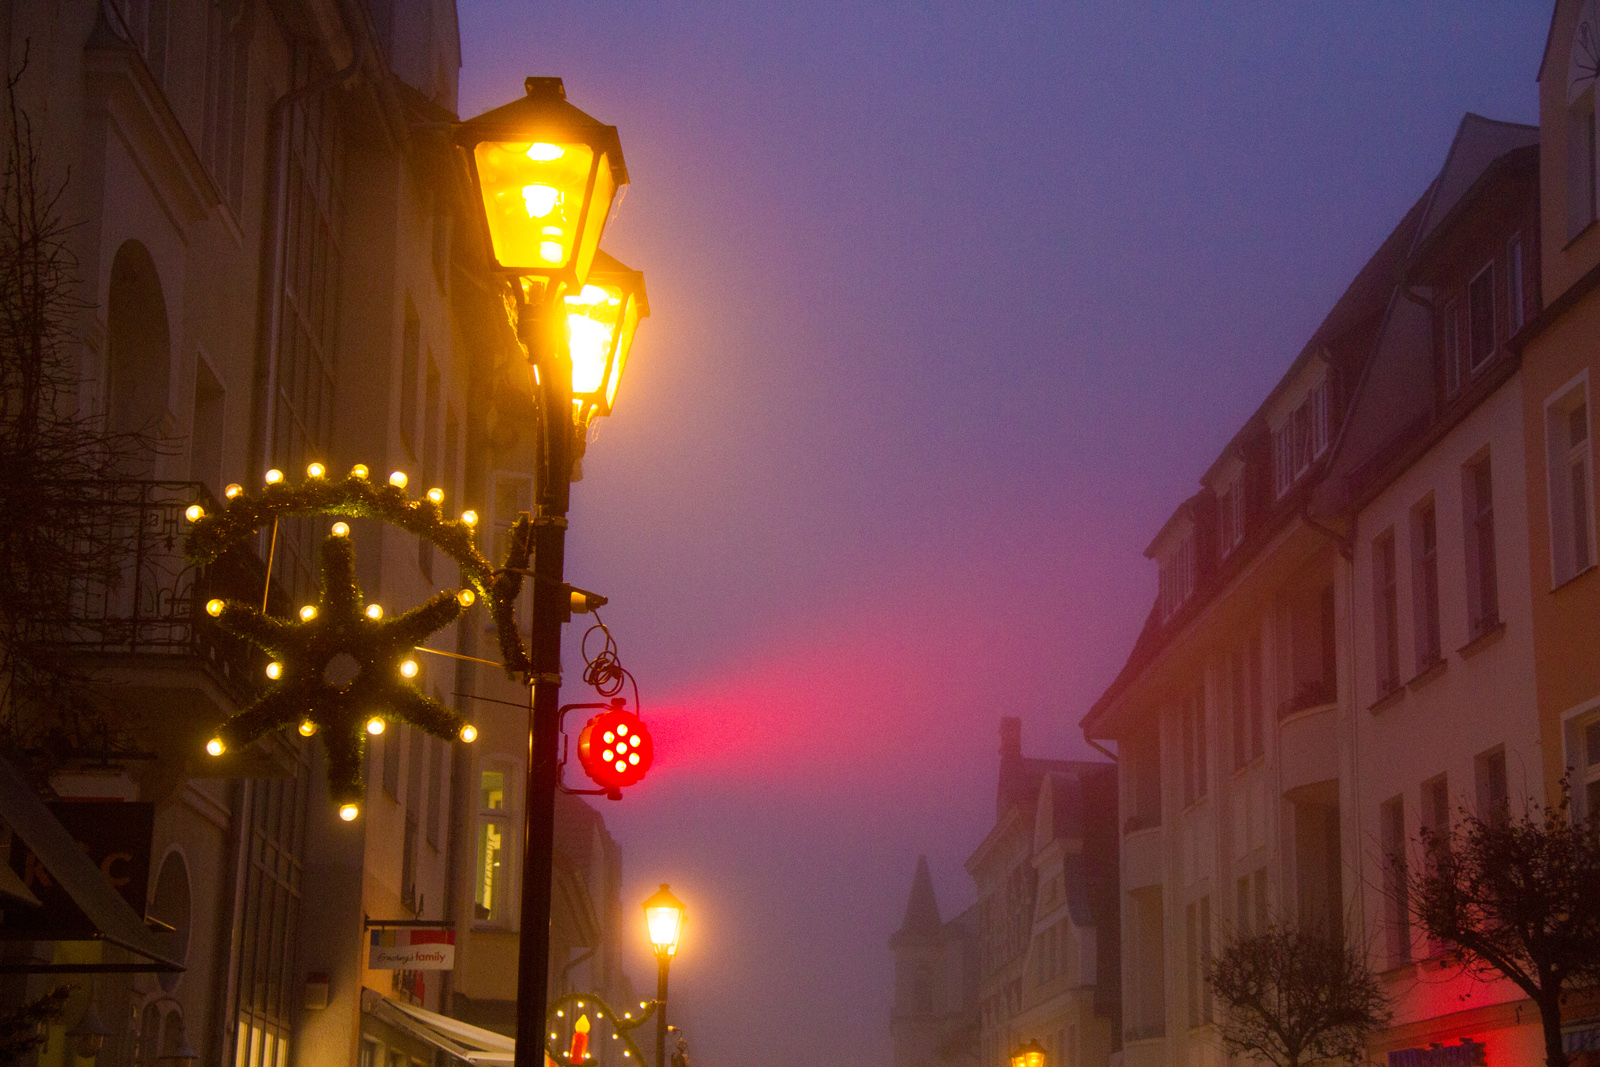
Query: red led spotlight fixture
(614, 749)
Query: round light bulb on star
(469, 517)
(307, 727)
(341, 529)
(274, 476)
(359, 471)
(233, 490)
(469, 733)
(398, 479)
(308, 612)
(194, 513)
(315, 470)
(274, 670)
(436, 495)
(348, 812)
(408, 668)
(375, 726)
(466, 597)
(215, 746)
(214, 607)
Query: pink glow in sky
(952, 305)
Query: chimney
(1013, 780)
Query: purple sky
(952, 306)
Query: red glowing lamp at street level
(614, 748)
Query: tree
(56, 462)
(1294, 996)
(1516, 896)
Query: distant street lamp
(546, 175)
(664, 915)
(1030, 1055)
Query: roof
(922, 908)
(1478, 143)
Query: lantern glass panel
(593, 315)
(666, 927)
(533, 197)
(605, 189)
(630, 323)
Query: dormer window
(1230, 515)
(1177, 574)
(1300, 438)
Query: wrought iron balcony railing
(145, 598)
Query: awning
(463, 1041)
(113, 919)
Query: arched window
(1583, 65)
(172, 906)
(138, 345)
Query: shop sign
(413, 948)
(1467, 1054)
(116, 835)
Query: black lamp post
(546, 175)
(664, 915)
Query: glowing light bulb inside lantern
(214, 608)
(469, 517)
(540, 200)
(398, 479)
(274, 670)
(307, 727)
(341, 529)
(580, 1039)
(215, 746)
(545, 152)
(374, 612)
(408, 668)
(274, 476)
(375, 726)
(315, 470)
(436, 495)
(359, 472)
(348, 812)
(308, 612)
(550, 251)
(469, 733)
(466, 597)
(194, 513)
(233, 490)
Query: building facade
(1036, 957)
(1340, 653)
(278, 263)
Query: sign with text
(116, 836)
(1467, 1054)
(412, 948)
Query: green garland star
(302, 693)
(302, 653)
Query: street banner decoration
(415, 948)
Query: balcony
(1314, 693)
(143, 610)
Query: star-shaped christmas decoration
(341, 670)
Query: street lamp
(663, 919)
(1029, 1055)
(546, 175)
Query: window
(1301, 438)
(1147, 1014)
(1480, 316)
(1450, 336)
(223, 137)
(1587, 776)
(1143, 755)
(410, 370)
(408, 863)
(1194, 747)
(1261, 898)
(1483, 602)
(391, 760)
(491, 881)
(512, 498)
(1230, 515)
(1392, 835)
(205, 435)
(1242, 906)
(1239, 704)
(1257, 718)
(1515, 306)
(1580, 163)
(1436, 805)
(1570, 475)
(430, 456)
(1386, 613)
(1493, 798)
(146, 24)
(1177, 575)
(1198, 921)
(436, 750)
(1425, 583)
